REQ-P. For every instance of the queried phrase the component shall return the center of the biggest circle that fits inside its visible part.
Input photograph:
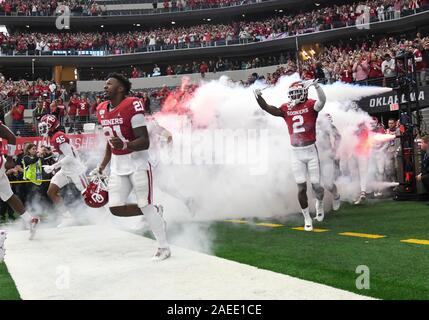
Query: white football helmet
(298, 92)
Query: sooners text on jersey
(117, 122)
(301, 122)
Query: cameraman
(48, 158)
(32, 165)
(424, 175)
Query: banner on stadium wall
(79, 141)
(390, 101)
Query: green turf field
(7, 287)
(397, 270)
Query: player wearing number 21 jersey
(125, 129)
(300, 115)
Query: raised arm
(321, 98)
(265, 106)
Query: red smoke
(367, 139)
(177, 102)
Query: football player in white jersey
(300, 115)
(328, 141)
(71, 168)
(6, 193)
(124, 126)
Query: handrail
(128, 12)
(102, 52)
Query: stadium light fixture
(102, 26)
(208, 19)
(138, 24)
(281, 10)
(27, 26)
(317, 4)
(173, 22)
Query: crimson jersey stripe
(149, 178)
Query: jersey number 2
(298, 121)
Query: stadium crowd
(199, 66)
(368, 61)
(206, 34)
(92, 8)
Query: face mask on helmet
(297, 93)
(43, 129)
(96, 195)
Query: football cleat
(378, 194)
(336, 203)
(3, 236)
(33, 227)
(308, 225)
(66, 220)
(320, 212)
(361, 199)
(161, 254)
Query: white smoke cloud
(232, 160)
(231, 190)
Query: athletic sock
(319, 205)
(306, 214)
(63, 211)
(26, 216)
(156, 224)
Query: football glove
(48, 169)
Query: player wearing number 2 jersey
(71, 169)
(300, 115)
(124, 127)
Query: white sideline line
(96, 262)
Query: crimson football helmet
(297, 92)
(48, 123)
(96, 195)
